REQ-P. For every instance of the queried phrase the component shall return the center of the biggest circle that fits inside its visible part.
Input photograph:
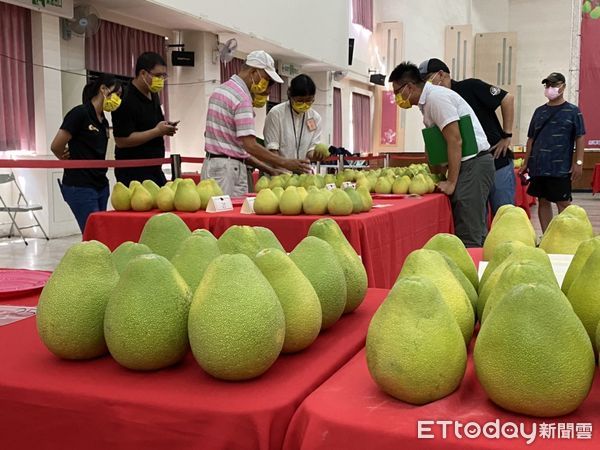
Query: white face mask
(552, 93)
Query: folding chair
(22, 206)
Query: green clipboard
(435, 144)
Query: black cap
(554, 77)
(432, 65)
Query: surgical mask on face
(156, 85)
(552, 93)
(111, 103)
(301, 107)
(260, 87)
(259, 100)
(402, 102)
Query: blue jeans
(503, 189)
(83, 201)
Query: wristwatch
(579, 162)
(506, 135)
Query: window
(362, 13)
(17, 113)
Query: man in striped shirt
(230, 136)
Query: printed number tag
(219, 204)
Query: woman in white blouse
(293, 128)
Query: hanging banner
(589, 72)
(389, 119)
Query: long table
(48, 403)
(383, 237)
(596, 179)
(350, 412)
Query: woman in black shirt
(84, 135)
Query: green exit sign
(44, 3)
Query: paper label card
(10, 314)
(330, 186)
(248, 206)
(348, 184)
(219, 204)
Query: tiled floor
(45, 255)
(39, 254)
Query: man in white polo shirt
(469, 179)
(230, 137)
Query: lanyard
(296, 140)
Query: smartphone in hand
(174, 124)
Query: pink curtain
(115, 48)
(17, 127)
(362, 13)
(337, 117)
(230, 68)
(361, 119)
(275, 93)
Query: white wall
(424, 33)
(544, 46)
(489, 16)
(189, 90)
(424, 36)
(314, 28)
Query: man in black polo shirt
(485, 99)
(139, 124)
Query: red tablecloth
(112, 228)
(192, 176)
(47, 403)
(349, 412)
(522, 198)
(383, 236)
(596, 179)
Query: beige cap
(262, 60)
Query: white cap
(262, 60)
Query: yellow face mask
(301, 107)
(260, 87)
(157, 84)
(111, 103)
(259, 100)
(402, 102)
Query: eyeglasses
(163, 75)
(401, 87)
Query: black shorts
(553, 189)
